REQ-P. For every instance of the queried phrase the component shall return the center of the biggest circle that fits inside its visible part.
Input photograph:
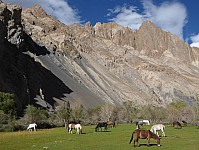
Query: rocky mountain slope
(47, 63)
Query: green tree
(3, 117)
(64, 113)
(78, 113)
(175, 110)
(34, 114)
(7, 104)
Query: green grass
(118, 138)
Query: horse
(100, 125)
(144, 134)
(111, 124)
(142, 122)
(72, 126)
(32, 126)
(177, 125)
(158, 127)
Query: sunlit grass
(115, 139)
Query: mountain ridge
(111, 63)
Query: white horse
(32, 126)
(158, 127)
(146, 122)
(78, 127)
(142, 122)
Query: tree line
(127, 113)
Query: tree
(106, 111)
(175, 110)
(64, 113)
(130, 110)
(93, 114)
(78, 113)
(3, 117)
(7, 104)
(34, 114)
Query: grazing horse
(177, 125)
(72, 126)
(158, 127)
(142, 122)
(32, 126)
(144, 134)
(111, 124)
(100, 125)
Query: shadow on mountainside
(22, 75)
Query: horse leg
(105, 128)
(77, 131)
(70, 131)
(137, 142)
(163, 134)
(148, 139)
(157, 134)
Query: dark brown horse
(100, 125)
(144, 134)
(177, 125)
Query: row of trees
(128, 113)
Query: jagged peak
(148, 25)
(108, 24)
(37, 10)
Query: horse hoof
(158, 144)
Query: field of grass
(117, 138)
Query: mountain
(45, 62)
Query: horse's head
(156, 137)
(158, 141)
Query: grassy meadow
(117, 138)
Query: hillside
(45, 63)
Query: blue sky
(180, 17)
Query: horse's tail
(131, 138)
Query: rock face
(92, 65)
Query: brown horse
(144, 134)
(72, 126)
(111, 124)
(177, 125)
